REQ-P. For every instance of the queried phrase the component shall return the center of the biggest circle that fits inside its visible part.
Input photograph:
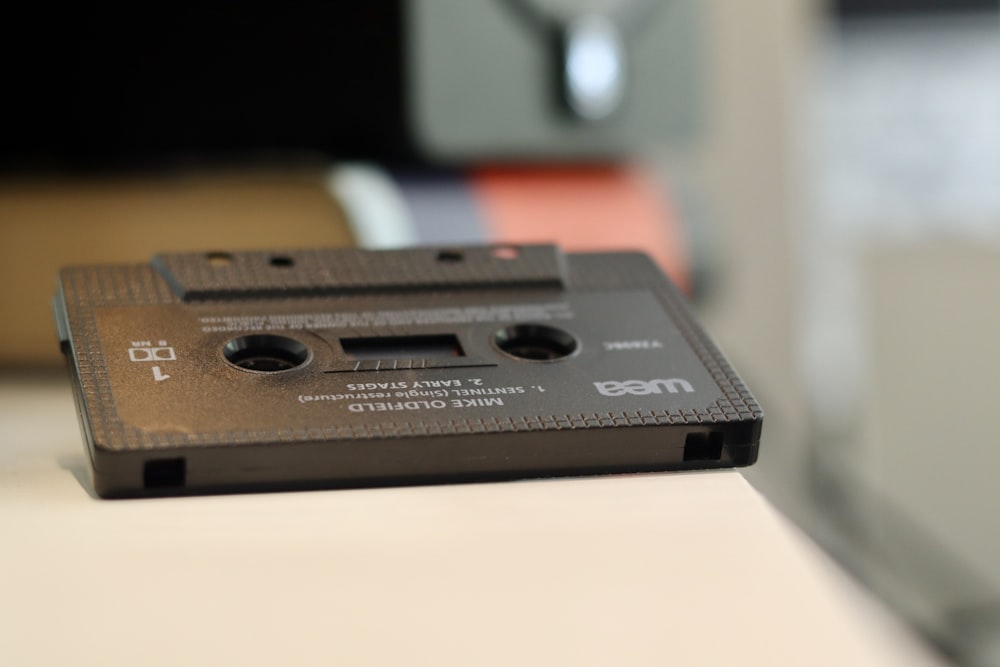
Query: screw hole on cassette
(505, 252)
(219, 258)
(450, 256)
(282, 262)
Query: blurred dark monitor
(874, 8)
(102, 85)
(99, 85)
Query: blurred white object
(594, 67)
(908, 115)
(373, 206)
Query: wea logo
(642, 388)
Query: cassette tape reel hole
(266, 353)
(535, 342)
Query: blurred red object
(584, 209)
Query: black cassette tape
(332, 368)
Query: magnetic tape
(247, 371)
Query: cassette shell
(319, 368)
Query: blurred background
(821, 177)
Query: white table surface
(673, 569)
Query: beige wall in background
(744, 162)
(46, 225)
(927, 446)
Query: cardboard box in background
(46, 224)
